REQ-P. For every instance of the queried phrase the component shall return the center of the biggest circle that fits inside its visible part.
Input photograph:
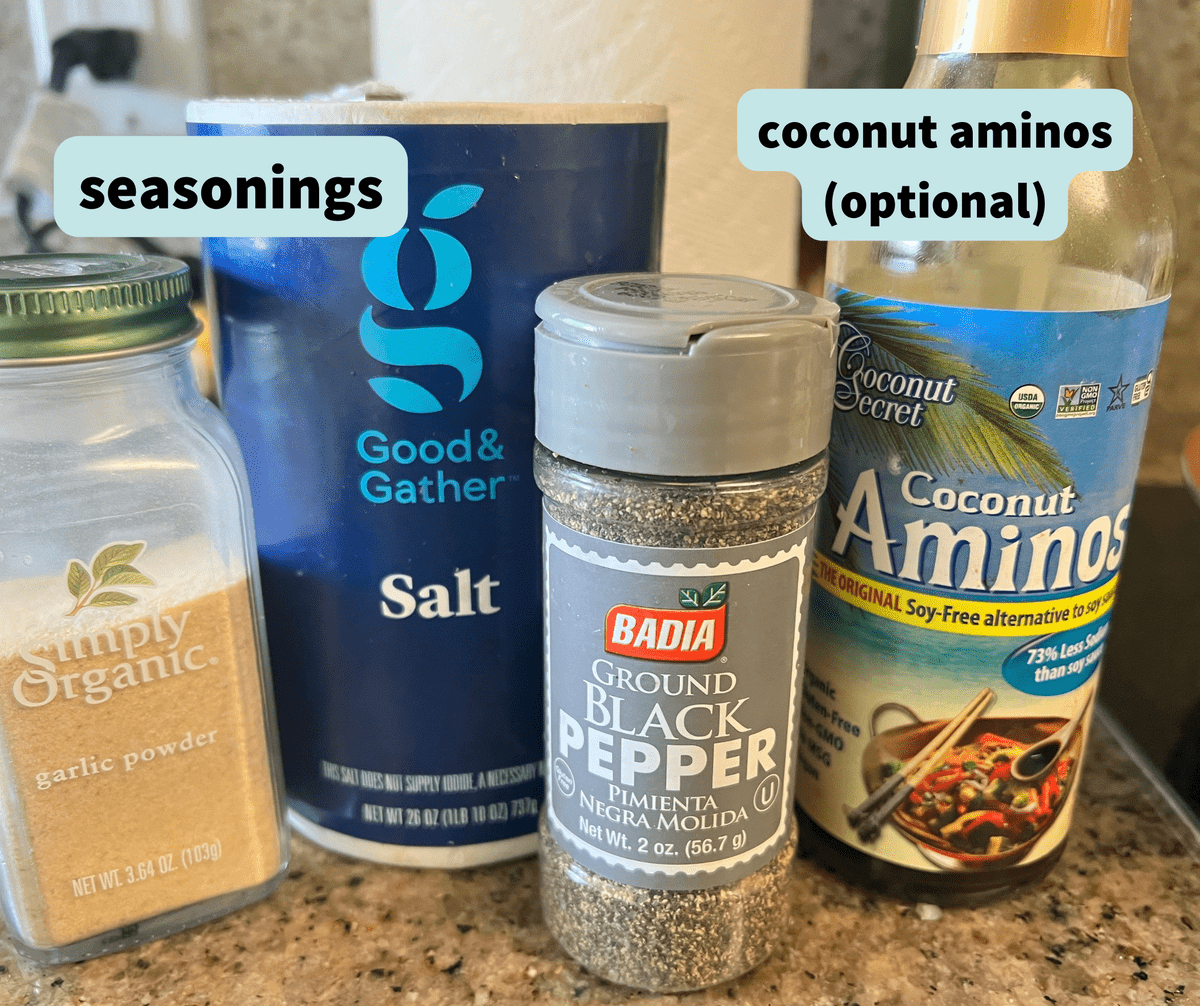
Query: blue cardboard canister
(382, 394)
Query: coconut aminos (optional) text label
(935, 165)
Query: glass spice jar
(681, 426)
(141, 784)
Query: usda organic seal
(1027, 401)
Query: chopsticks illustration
(869, 816)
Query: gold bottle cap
(1068, 27)
(63, 308)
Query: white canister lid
(683, 375)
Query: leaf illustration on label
(110, 567)
(380, 273)
(404, 395)
(121, 575)
(78, 580)
(964, 425)
(453, 268)
(116, 554)
(452, 202)
(111, 599)
(714, 595)
(689, 597)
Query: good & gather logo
(422, 346)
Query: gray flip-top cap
(683, 375)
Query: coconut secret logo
(421, 345)
(888, 391)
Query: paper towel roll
(698, 57)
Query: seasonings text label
(233, 186)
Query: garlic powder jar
(141, 787)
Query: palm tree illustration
(977, 434)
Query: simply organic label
(141, 776)
(982, 468)
(672, 703)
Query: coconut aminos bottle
(966, 562)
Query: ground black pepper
(681, 427)
(670, 941)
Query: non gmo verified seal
(1078, 401)
(1027, 401)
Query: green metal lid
(63, 308)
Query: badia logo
(694, 632)
(421, 345)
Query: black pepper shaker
(681, 427)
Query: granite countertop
(1118, 920)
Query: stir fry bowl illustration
(966, 811)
